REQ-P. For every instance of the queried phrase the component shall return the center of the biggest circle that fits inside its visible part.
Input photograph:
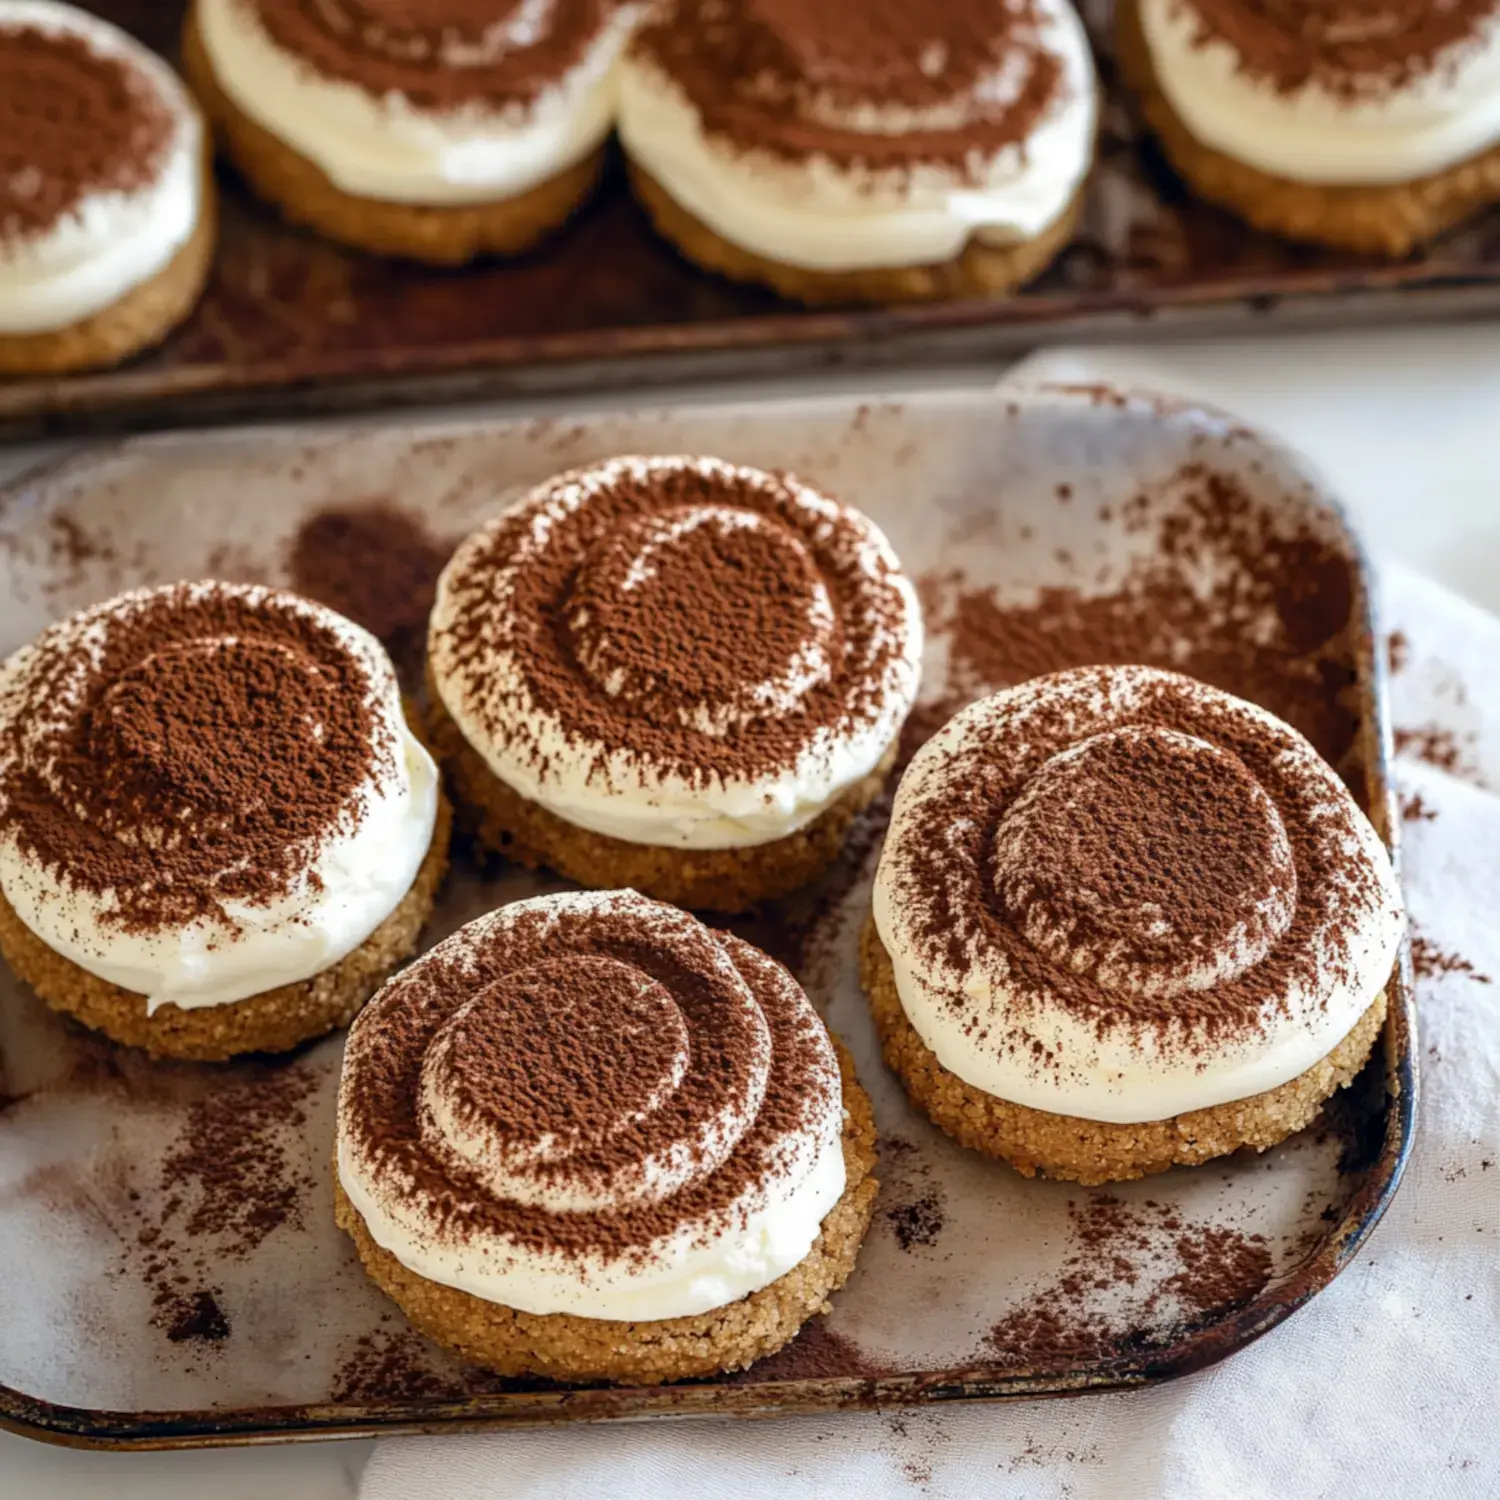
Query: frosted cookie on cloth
(438, 130)
(587, 1137)
(674, 674)
(1367, 125)
(926, 150)
(107, 206)
(217, 833)
(1124, 921)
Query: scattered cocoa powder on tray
(1210, 1270)
(378, 565)
(387, 1365)
(817, 1353)
(1431, 962)
(917, 1223)
(233, 1166)
(191, 1316)
(1415, 810)
(1437, 746)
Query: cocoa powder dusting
(486, 1062)
(72, 122)
(664, 617)
(1357, 50)
(785, 77)
(187, 753)
(441, 55)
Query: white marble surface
(1405, 422)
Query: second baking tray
(175, 1275)
(292, 323)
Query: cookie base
(978, 271)
(140, 319)
(504, 822)
(1091, 1152)
(444, 235)
(272, 1021)
(1372, 219)
(561, 1346)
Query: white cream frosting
(354, 878)
(967, 1013)
(692, 1268)
(110, 242)
(823, 216)
(388, 148)
(605, 790)
(1445, 116)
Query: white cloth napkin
(1386, 1384)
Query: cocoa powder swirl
(1129, 857)
(952, 83)
(576, 1080)
(74, 120)
(1355, 49)
(178, 754)
(441, 55)
(676, 623)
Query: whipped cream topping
(111, 239)
(1337, 126)
(207, 791)
(818, 174)
(678, 651)
(390, 146)
(1120, 894)
(593, 1104)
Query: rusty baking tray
(292, 324)
(175, 1277)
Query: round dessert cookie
(589, 1138)
(1366, 125)
(1124, 921)
(217, 832)
(931, 151)
(107, 204)
(674, 674)
(440, 132)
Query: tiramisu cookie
(217, 834)
(672, 674)
(924, 150)
(440, 131)
(1369, 125)
(107, 211)
(1125, 921)
(588, 1138)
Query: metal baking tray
(175, 1275)
(291, 323)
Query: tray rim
(65, 1425)
(783, 343)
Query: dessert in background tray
(186, 1283)
(293, 323)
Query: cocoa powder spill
(442, 55)
(1356, 50)
(1211, 1269)
(72, 122)
(1437, 746)
(780, 76)
(1431, 962)
(377, 565)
